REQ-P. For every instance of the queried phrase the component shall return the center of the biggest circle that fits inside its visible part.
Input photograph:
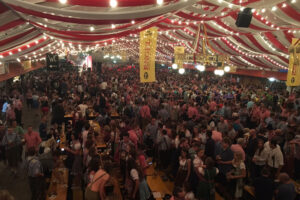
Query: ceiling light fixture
(63, 1)
(92, 28)
(159, 2)
(113, 3)
(181, 71)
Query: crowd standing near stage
(206, 133)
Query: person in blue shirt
(286, 190)
(4, 109)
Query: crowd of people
(206, 133)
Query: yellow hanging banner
(178, 54)
(148, 40)
(179, 50)
(293, 76)
(26, 64)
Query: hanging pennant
(148, 40)
(26, 64)
(293, 76)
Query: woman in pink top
(96, 188)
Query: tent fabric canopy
(32, 28)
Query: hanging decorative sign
(52, 60)
(148, 40)
(179, 50)
(200, 58)
(293, 76)
(2, 68)
(26, 64)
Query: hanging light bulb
(113, 3)
(221, 72)
(63, 1)
(201, 68)
(227, 69)
(274, 8)
(174, 66)
(159, 2)
(181, 71)
(92, 28)
(132, 22)
(216, 72)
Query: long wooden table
(60, 188)
(156, 184)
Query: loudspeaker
(244, 18)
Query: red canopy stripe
(105, 3)
(11, 24)
(8, 40)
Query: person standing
(35, 175)
(206, 185)
(184, 170)
(259, 158)
(18, 105)
(4, 109)
(11, 142)
(224, 160)
(96, 188)
(43, 129)
(32, 139)
(238, 173)
(29, 100)
(20, 131)
(286, 190)
(275, 158)
(264, 186)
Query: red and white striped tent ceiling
(31, 28)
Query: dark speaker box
(244, 18)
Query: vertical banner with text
(148, 39)
(293, 76)
(2, 68)
(26, 64)
(178, 54)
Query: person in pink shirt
(212, 105)
(265, 113)
(145, 115)
(133, 137)
(32, 139)
(217, 136)
(238, 147)
(192, 112)
(145, 112)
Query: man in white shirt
(103, 85)
(275, 159)
(83, 108)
